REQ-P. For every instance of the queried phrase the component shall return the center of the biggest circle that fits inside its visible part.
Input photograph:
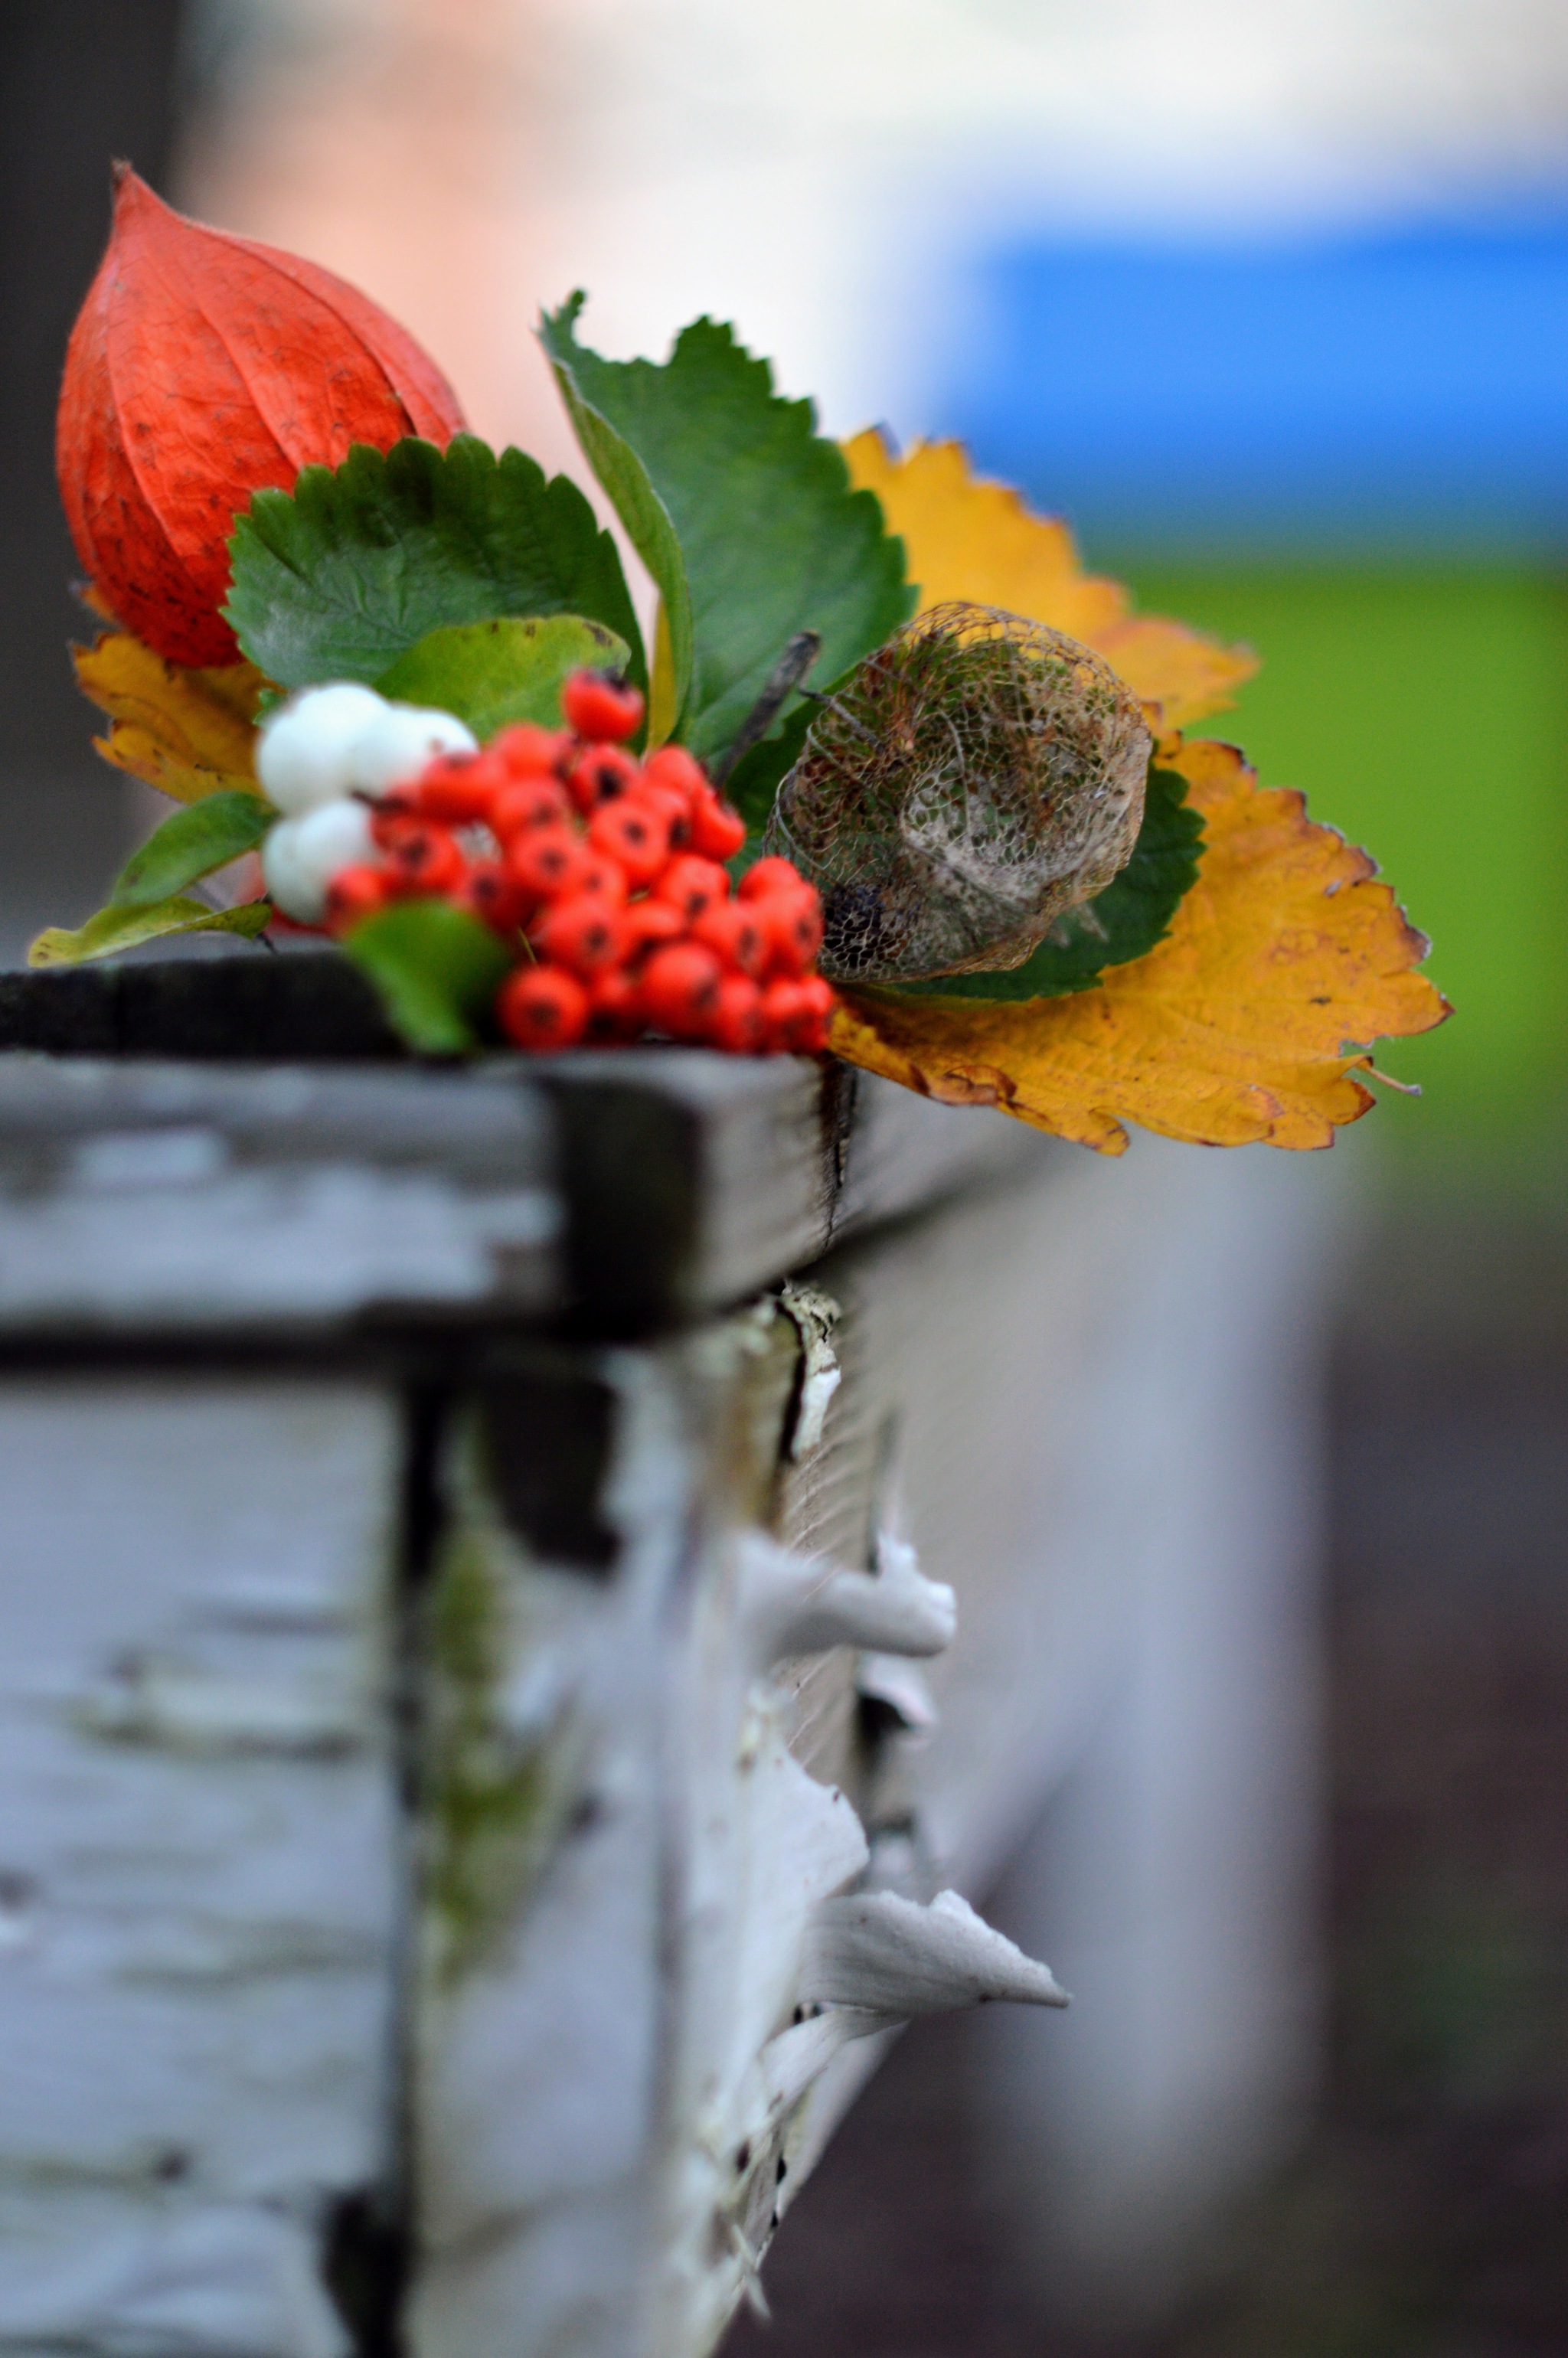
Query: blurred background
(1271, 298)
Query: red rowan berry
(791, 927)
(354, 893)
(672, 810)
(614, 1005)
(692, 885)
(542, 1007)
(736, 1022)
(734, 932)
(824, 998)
(631, 834)
(717, 829)
(525, 751)
(602, 774)
(456, 790)
(522, 803)
(392, 818)
(399, 802)
(650, 925)
(584, 933)
(795, 1013)
(494, 896)
(676, 770)
(769, 875)
(680, 988)
(600, 706)
(601, 874)
(547, 861)
(425, 860)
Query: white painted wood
(565, 2020)
(140, 1197)
(199, 1855)
(636, 1970)
(180, 1197)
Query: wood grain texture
(621, 1190)
(600, 2154)
(198, 1858)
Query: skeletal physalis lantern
(976, 778)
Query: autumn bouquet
(896, 780)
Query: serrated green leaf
(437, 968)
(191, 843)
(589, 392)
(773, 538)
(1129, 916)
(492, 673)
(342, 576)
(118, 928)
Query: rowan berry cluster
(608, 875)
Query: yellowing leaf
(122, 927)
(189, 733)
(1233, 1029)
(966, 537)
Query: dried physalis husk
(978, 776)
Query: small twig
(856, 728)
(788, 674)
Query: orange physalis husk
(202, 367)
(188, 732)
(967, 538)
(1244, 1024)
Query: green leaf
(437, 971)
(773, 540)
(491, 674)
(754, 783)
(1132, 913)
(119, 927)
(342, 576)
(198, 839)
(587, 386)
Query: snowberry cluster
(605, 872)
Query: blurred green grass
(1424, 710)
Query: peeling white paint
(887, 1955)
(798, 1604)
(894, 1681)
(814, 1315)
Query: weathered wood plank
(623, 1191)
(200, 1869)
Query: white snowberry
(301, 856)
(396, 744)
(306, 755)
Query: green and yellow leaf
(492, 673)
(1250, 1022)
(123, 926)
(190, 844)
(189, 733)
(966, 537)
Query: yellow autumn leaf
(969, 539)
(189, 733)
(1247, 1022)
